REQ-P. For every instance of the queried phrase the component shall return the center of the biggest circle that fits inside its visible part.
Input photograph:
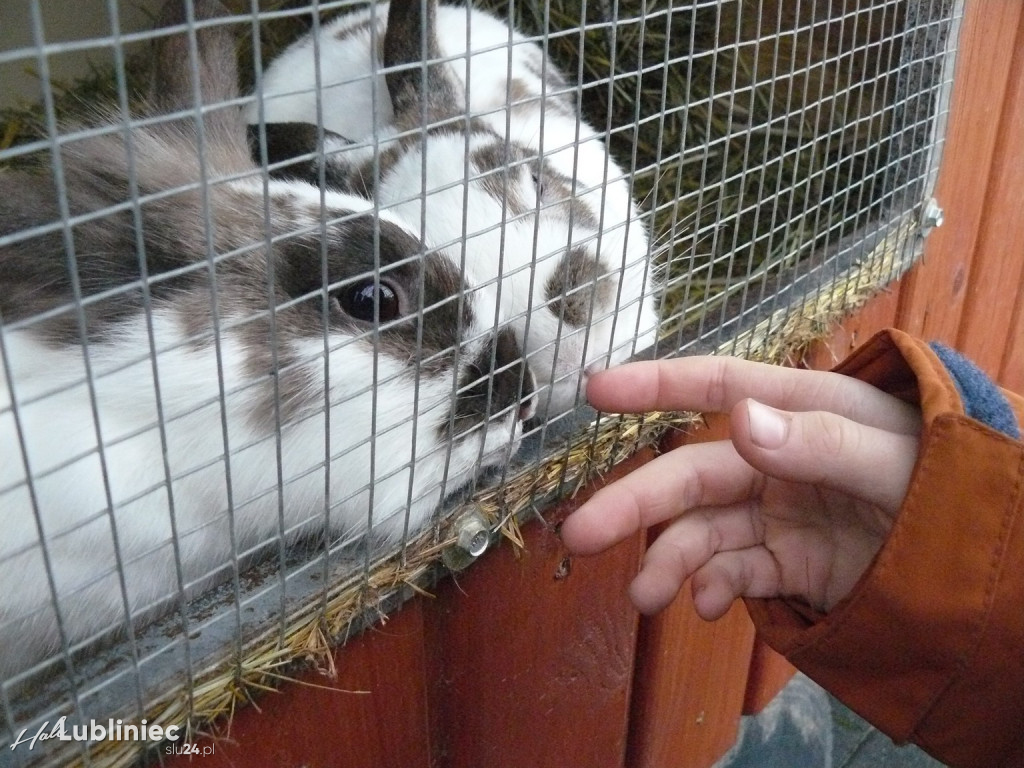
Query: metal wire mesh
(250, 368)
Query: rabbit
(143, 389)
(487, 150)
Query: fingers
(706, 474)
(815, 448)
(823, 449)
(731, 575)
(718, 383)
(690, 545)
(725, 494)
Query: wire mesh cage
(299, 302)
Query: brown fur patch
(498, 167)
(578, 287)
(557, 195)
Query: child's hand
(796, 504)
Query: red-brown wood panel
(997, 269)
(933, 309)
(524, 659)
(691, 675)
(769, 673)
(531, 655)
(690, 686)
(1011, 374)
(372, 713)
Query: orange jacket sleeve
(929, 646)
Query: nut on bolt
(472, 538)
(932, 216)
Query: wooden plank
(769, 673)
(932, 302)
(372, 713)
(1011, 374)
(502, 686)
(691, 675)
(997, 268)
(531, 654)
(690, 686)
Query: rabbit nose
(595, 366)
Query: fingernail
(769, 428)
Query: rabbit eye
(358, 300)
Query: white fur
(354, 101)
(64, 456)
(50, 412)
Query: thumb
(823, 448)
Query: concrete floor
(804, 727)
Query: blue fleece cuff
(981, 397)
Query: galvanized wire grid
(781, 154)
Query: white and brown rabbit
(486, 148)
(178, 334)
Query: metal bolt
(932, 215)
(474, 535)
(472, 538)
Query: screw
(472, 538)
(474, 535)
(932, 216)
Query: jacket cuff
(928, 644)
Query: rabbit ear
(289, 140)
(411, 39)
(173, 88)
